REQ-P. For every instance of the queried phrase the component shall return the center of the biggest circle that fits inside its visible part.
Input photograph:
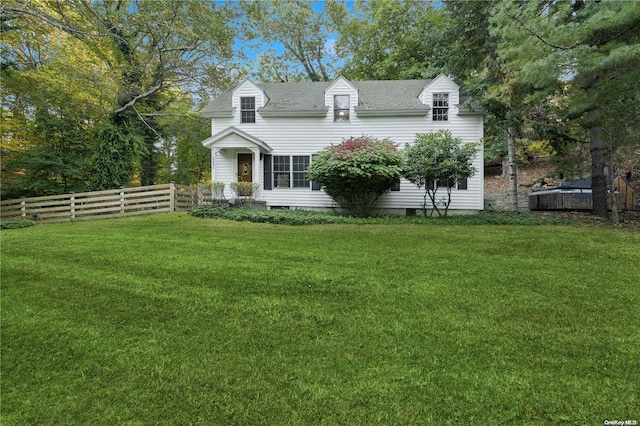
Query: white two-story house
(268, 133)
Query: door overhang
(232, 137)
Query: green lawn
(177, 320)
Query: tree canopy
(124, 64)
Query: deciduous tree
(438, 159)
(387, 40)
(151, 47)
(299, 29)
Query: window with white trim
(440, 109)
(341, 107)
(300, 164)
(281, 171)
(247, 109)
(290, 171)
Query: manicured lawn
(179, 320)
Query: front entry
(245, 169)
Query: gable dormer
(441, 94)
(341, 98)
(246, 98)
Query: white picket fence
(167, 198)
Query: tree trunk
(613, 196)
(598, 180)
(513, 171)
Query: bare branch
(189, 48)
(137, 98)
(168, 114)
(147, 124)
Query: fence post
(199, 194)
(122, 200)
(73, 206)
(23, 207)
(172, 197)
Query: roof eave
(470, 112)
(391, 113)
(217, 114)
(293, 113)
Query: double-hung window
(341, 106)
(281, 171)
(440, 107)
(300, 164)
(286, 171)
(451, 183)
(248, 109)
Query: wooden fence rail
(167, 198)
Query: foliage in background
(152, 55)
(357, 172)
(47, 120)
(587, 51)
(116, 157)
(438, 159)
(181, 156)
(302, 32)
(387, 40)
(561, 73)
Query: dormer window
(341, 108)
(440, 107)
(248, 109)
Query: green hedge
(282, 217)
(16, 224)
(306, 217)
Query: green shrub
(247, 190)
(306, 217)
(216, 189)
(16, 224)
(282, 217)
(357, 172)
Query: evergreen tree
(588, 50)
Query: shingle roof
(309, 97)
(221, 104)
(376, 97)
(299, 96)
(391, 95)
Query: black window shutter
(268, 181)
(396, 185)
(462, 184)
(315, 186)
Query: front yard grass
(178, 320)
